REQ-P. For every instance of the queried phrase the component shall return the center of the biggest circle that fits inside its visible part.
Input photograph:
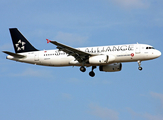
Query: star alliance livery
(108, 58)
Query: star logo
(20, 45)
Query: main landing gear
(92, 74)
(139, 63)
(83, 69)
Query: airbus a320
(107, 58)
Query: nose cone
(158, 53)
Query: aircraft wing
(14, 54)
(78, 54)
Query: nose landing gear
(139, 63)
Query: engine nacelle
(111, 67)
(101, 59)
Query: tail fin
(21, 44)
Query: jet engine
(101, 59)
(111, 67)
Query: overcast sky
(30, 92)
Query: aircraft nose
(158, 53)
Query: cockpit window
(150, 48)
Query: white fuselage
(121, 53)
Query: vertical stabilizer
(21, 44)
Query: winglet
(48, 40)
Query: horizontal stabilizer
(14, 54)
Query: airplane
(108, 58)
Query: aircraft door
(137, 49)
(36, 56)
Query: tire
(140, 68)
(82, 68)
(92, 74)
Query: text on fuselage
(110, 49)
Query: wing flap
(78, 54)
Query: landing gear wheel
(92, 74)
(82, 68)
(140, 68)
(139, 63)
